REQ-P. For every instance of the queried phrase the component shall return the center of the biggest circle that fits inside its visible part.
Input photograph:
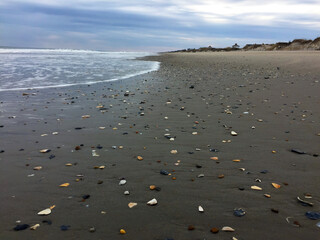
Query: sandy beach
(233, 119)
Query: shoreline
(198, 99)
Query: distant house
(236, 46)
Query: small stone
(214, 230)
(100, 182)
(233, 133)
(64, 227)
(21, 227)
(122, 182)
(77, 148)
(239, 212)
(92, 229)
(191, 227)
(313, 215)
(164, 172)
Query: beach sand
(270, 99)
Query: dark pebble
(214, 150)
(86, 196)
(52, 156)
(264, 171)
(298, 151)
(191, 227)
(77, 148)
(64, 227)
(158, 189)
(198, 166)
(78, 128)
(313, 215)
(241, 188)
(1, 151)
(274, 210)
(164, 172)
(99, 146)
(21, 227)
(239, 212)
(100, 182)
(49, 222)
(214, 230)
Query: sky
(154, 25)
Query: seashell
(201, 175)
(313, 215)
(122, 182)
(233, 133)
(152, 187)
(236, 160)
(95, 154)
(140, 158)
(152, 202)
(45, 150)
(102, 128)
(126, 193)
(214, 158)
(101, 167)
(122, 231)
(85, 116)
(55, 133)
(256, 188)
(227, 229)
(34, 227)
(37, 168)
(267, 195)
(194, 133)
(46, 211)
(234, 238)
(200, 209)
(214, 230)
(173, 151)
(242, 169)
(68, 164)
(43, 135)
(132, 204)
(304, 202)
(275, 185)
(64, 185)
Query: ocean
(22, 69)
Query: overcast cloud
(154, 25)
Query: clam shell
(122, 182)
(132, 204)
(233, 133)
(256, 188)
(45, 212)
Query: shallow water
(41, 68)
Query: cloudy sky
(154, 25)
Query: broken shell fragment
(227, 229)
(140, 158)
(37, 168)
(256, 188)
(34, 227)
(173, 151)
(122, 231)
(304, 202)
(152, 187)
(64, 185)
(267, 195)
(275, 185)
(132, 204)
(152, 202)
(200, 209)
(85, 116)
(45, 150)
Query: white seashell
(45, 212)
(173, 151)
(200, 209)
(152, 202)
(171, 139)
(122, 182)
(227, 229)
(256, 188)
(194, 133)
(233, 133)
(126, 193)
(95, 154)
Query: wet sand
(270, 99)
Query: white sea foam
(22, 69)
